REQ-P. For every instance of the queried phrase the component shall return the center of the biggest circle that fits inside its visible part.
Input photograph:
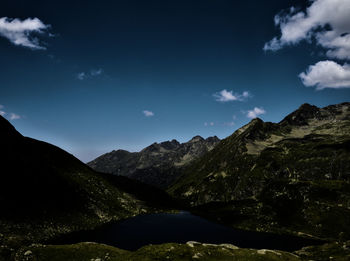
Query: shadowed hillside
(45, 192)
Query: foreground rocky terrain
(287, 177)
(180, 252)
(159, 164)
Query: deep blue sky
(168, 57)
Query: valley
(274, 185)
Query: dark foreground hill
(286, 177)
(45, 192)
(159, 164)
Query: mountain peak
(304, 113)
(196, 139)
(306, 106)
(255, 120)
(212, 139)
(170, 144)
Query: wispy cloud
(230, 123)
(2, 113)
(208, 124)
(14, 116)
(148, 113)
(227, 96)
(93, 72)
(326, 22)
(81, 76)
(254, 113)
(11, 116)
(22, 33)
(54, 58)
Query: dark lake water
(136, 232)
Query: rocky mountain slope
(158, 164)
(286, 177)
(45, 192)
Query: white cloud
(328, 23)
(327, 74)
(227, 96)
(298, 26)
(231, 123)
(81, 76)
(95, 72)
(245, 94)
(2, 113)
(14, 116)
(21, 32)
(255, 112)
(148, 113)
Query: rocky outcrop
(158, 164)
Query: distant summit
(158, 164)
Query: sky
(96, 76)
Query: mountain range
(290, 177)
(287, 177)
(158, 164)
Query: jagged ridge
(158, 164)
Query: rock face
(290, 176)
(44, 191)
(159, 164)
